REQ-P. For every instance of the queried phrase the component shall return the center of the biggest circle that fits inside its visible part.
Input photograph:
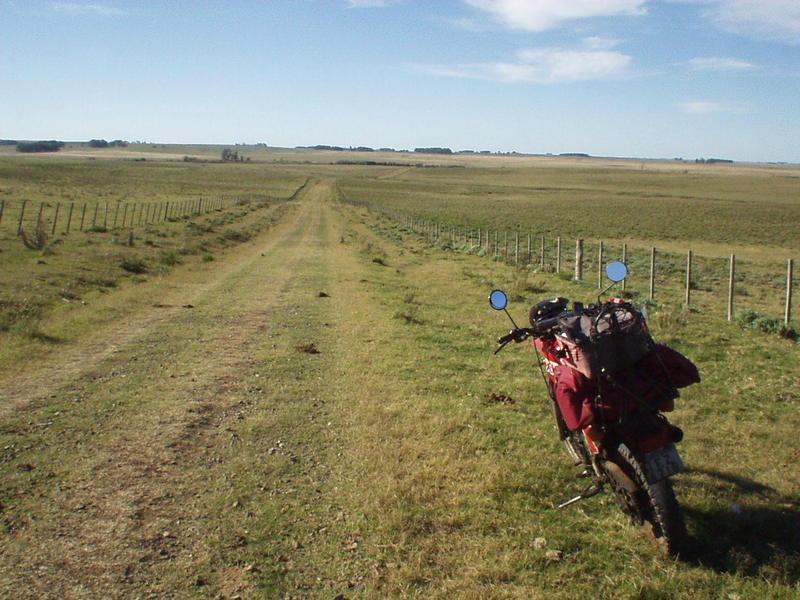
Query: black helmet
(547, 308)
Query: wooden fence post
(579, 260)
(2, 206)
(688, 277)
(541, 253)
(94, 217)
(516, 248)
(39, 216)
(495, 244)
(83, 215)
(600, 265)
(731, 277)
(21, 215)
(105, 217)
(787, 314)
(652, 273)
(558, 254)
(625, 261)
(529, 249)
(116, 212)
(69, 216)
(55, 218)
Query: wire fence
(727, 284)
(19, 216)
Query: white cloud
(771, 20)
(599, 43)
(95, 9)
(544, 65)
(716, 63)
(705, 108)
(539, 15)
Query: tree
(42, 146)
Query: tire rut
(131, 513)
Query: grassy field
(310, 415)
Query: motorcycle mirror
(616, 271)
(498, 300)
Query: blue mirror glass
(616, 271)
(498, 299)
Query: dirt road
(132, 435)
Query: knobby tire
(657, 504)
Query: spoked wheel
(650, 505)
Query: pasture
(309, 412)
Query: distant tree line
(105, 144)
(8, 142)
(433, 150)
(41, 146)
(710, 161)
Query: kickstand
(588, 492)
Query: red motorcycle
(610, 384)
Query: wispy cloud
(540, 15)
(543, 66)
(716, 63)
(600, 43)
(771, 20)
(704, 108)
(93, 9)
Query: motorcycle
(609, 385)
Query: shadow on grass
(759, 538)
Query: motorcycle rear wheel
(651, 505)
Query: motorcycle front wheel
(650, 505)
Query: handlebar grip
(506, 338)
(543, 326)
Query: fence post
(541, 253)
(579, 260)
(516, 248)
(39, 216)
(688, 277)
(495, 244)
(116, 212)
(652, 274)
(600, 265)
(2, 206)
(787, 315)
(558, 254)
(21, 215)
(69, 216)
(105, 217)
(529, 249)
(731, 276)
(625, 261)
(55, 218)
(94, 216)
(83, 215)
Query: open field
(220, 428)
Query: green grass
(394, 477)
(487, 476)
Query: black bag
(616, 341)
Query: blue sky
(666, 78)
